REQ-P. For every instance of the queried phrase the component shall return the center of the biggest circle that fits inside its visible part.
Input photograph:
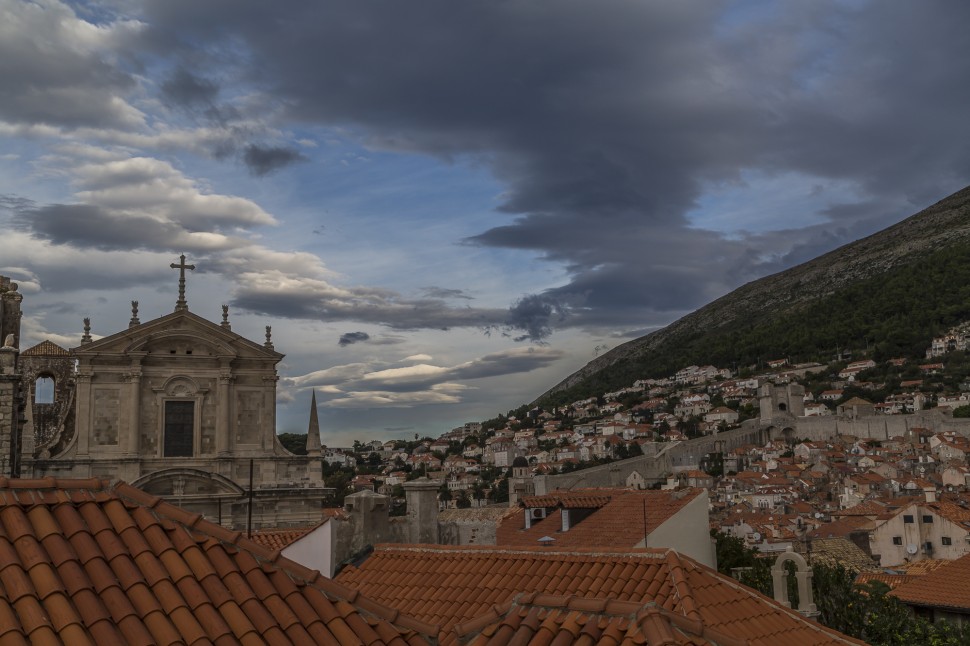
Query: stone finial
(269, 338)
(134, 315)
(225, 317)
(8, 357)
(86, 338)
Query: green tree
(962, 411)
(501, 491)
(444, 493)
(293, 442)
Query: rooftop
(455, 586)
(88, 562)
(608, 526)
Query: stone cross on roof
(181, 304)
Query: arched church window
(44, 390)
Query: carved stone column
(224, 434)
(83, 420)
(132, 439)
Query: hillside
(890, 292)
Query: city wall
(679, 456)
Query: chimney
(422, 501)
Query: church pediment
(187, 484)
(178, 333)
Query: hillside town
(725, 488)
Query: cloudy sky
(443, 208)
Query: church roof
(485, 590)
(46, 349)
(175, 323)
(86, 562)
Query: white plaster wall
(314, 549)
(688, 532)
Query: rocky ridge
(931, 229)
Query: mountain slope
(753, 322)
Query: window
(927, 518)
(908, 518)
(946, 540)
(44, 390)
(179, 428)
(897, 540)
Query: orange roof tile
(452, 586)
(923, 566)
(622, 521)
(944, 587)
(891, 580)
(86, 562)
(277, 539)
(46, 349)
(538, 619)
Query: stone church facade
(178, 406)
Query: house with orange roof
(482, 595)
(922, 530)
(624, 518)
(942, 594)
(86, 562)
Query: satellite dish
(911, 548)
(818, 514)
(757, 537)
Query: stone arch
(788, 434)
(803, 578)
(179, 385)
(184, 483)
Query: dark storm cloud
(534, 316)
(84, 225)
(52, 75)
(350, 338)
(263, 160)
(15, 203)
(442, 292)
(607, 120)
(363, 305)
(185, 88)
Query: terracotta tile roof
(86, 562)
(952, 511)
(621, 522)
(923, 566)
(581, 499)
(277, 539)
(944, 587)
(452, 586)
(892, 581)
(873, 508)
(841, 527)
(46, 349)
(538, 619)
(841, 551)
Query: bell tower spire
(313, 430)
